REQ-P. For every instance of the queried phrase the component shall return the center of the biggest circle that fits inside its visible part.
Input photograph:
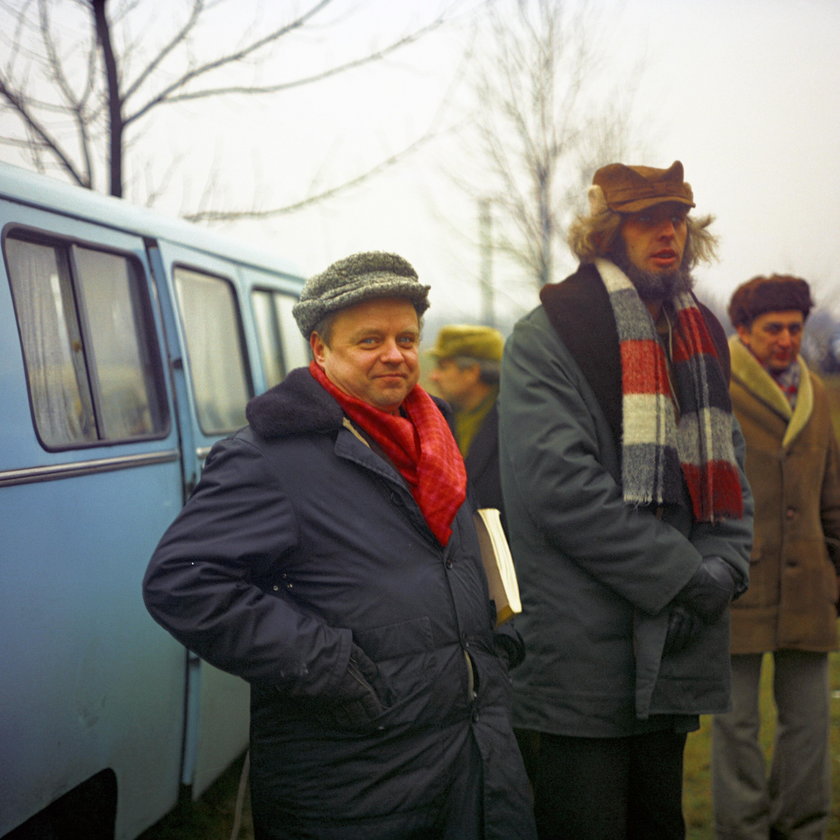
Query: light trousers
(794, 800)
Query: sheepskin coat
(794, 470)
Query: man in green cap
(328, 556)
(466, 374)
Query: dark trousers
(606, 788)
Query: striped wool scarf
(659, 451)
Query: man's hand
(683, 626)
(709, 591)
(356, 703)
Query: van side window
(221, 384)
(281, 345)
(91, 363)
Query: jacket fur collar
(298, 405)
(751, 375)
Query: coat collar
(298, 405)
(751, 375)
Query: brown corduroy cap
(629, 189)
(777, 293)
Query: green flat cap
(476, 342)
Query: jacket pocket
(762, 589)
(406, 662)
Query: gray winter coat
(597, 576)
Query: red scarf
(421, 447)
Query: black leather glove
(683, 625)
(356, 704)
(710, 589)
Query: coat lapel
(755, 379)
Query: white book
(498, 564)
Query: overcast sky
(747, 93)
(744, 92)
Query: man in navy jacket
(328, 557)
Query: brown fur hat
(777, 293)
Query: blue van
(129, 344)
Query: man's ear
(318, 347)
(744, 333)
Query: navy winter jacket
(298, 541)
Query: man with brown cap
(466, 374)
(328, 557)
(794, 469)
(628, 512)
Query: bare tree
(82, 76)
(544, 121)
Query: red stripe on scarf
(715, 490)
(690, 321)
(421, 447)
(638, 359)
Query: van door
(211, 363)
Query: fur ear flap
(597, 200)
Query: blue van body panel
(91, 684)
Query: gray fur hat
(359, 277)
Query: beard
(652, 285)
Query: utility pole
(485, 230)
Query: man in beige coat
(790, 609)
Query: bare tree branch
(538, 123)
(76, 103)
(168, 95)
(315, 198)
(42, 136)
(176, 40)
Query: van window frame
(143, 295)
(245, 356)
